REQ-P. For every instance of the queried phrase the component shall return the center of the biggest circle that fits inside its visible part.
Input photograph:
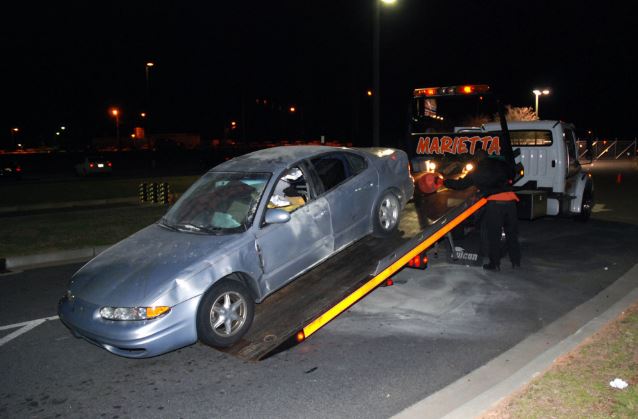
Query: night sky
(66, 63)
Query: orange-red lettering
(495, 146)
(423, 145)
(435, 146)
(473, 141)
(446, 145)
(461, 147)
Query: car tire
(385, 219)
(586, 205)
(224, 314)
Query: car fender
(242, 265)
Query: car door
(288, 249)
(350, 186)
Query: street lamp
(116, 114)
(537, 93)
(147, 103)
(148, 68)
(14, 131)
(376, 91)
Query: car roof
(274, 159)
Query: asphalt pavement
(411, 345)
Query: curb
(29, 261)
(70, 204)
(482, 389)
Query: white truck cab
(553, 182)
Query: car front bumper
(132, 339)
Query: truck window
(531, 138)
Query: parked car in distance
(93, 165)
(10, 169)
(244, 230)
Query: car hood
(142, 267)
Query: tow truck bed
(320, 294)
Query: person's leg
(510, 226)
(493, 224)
(484, 248)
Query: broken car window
(291, 191)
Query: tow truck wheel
(225, 314)
(586, 205)
(386, 215)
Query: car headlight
(133, 313)
(469, 167)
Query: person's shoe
(516, 265)
(491, 267)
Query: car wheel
(586, 206)
(386, 215)
(225, 314)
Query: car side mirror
(277, 216)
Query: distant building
(186, 141)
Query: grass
(577, 385)
(27, 193)
(73, 229)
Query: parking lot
(397, 346)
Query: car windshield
(218, 203)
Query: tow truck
(554, 182)
(301, 309)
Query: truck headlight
(133, 313)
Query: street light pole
(376, 73)
(116, 114)
(147, 68)
(147, 105)
(537, 93)
(14, 131)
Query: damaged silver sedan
(242, 231)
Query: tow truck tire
(225, 314)
(386, 215)
(586, 205)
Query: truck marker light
(366, 288)
(467, 89)
(300, 336)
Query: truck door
(573, 166)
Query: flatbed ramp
(319, 295)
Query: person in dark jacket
(492, 177)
